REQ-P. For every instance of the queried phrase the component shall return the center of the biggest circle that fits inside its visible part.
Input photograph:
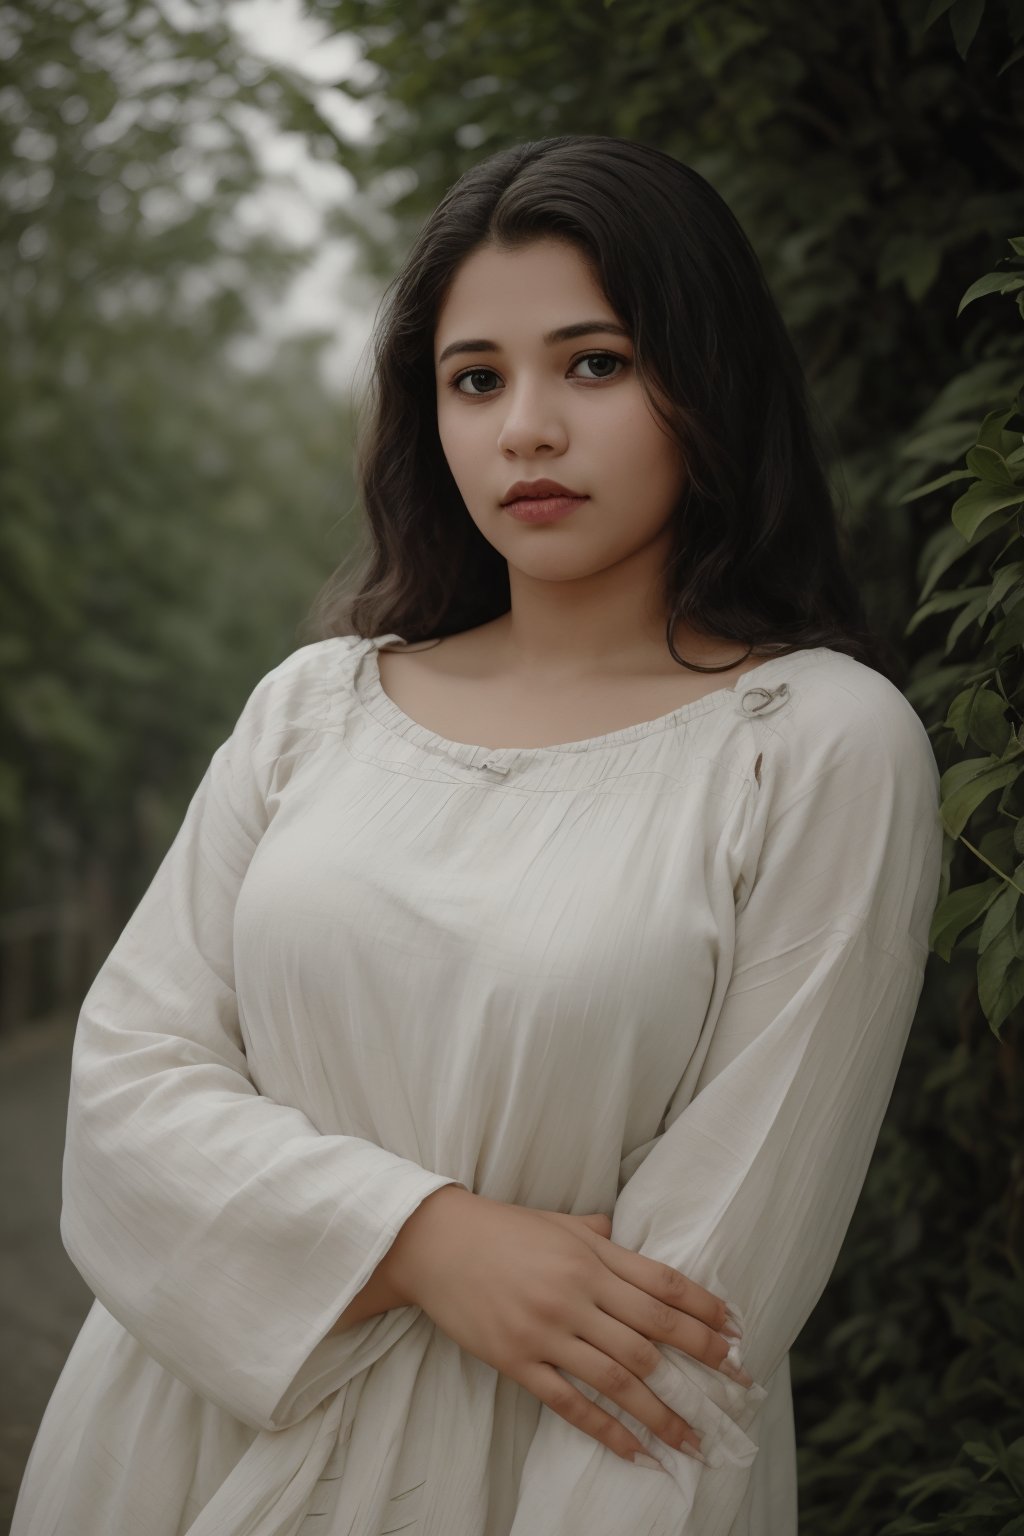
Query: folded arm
(749, 1188)
(221, 1228)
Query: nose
(531, 422)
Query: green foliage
(981, 696)
(955, 1309)
(164, 509)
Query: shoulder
(298, 690)
(839, 703)
(847, 722)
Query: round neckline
(369, 691)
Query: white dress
(667, 973)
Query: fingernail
(640, 1460)
(734, 1320)
(691, 1450)
(732, 1366)
(730, 1331)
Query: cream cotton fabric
(667, 973)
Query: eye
(477, 373)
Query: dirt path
(43, 1298)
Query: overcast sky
(325, 294)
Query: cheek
(634, 438)
(454, 438)
(457, 428)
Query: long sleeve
(833, 858)
(221, 1228)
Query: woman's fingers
(551, 1387)
(660, 1321)
(662, 1303)
(664, 1284)
(615, 1360)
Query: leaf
(972, 614)
(957, 911)
(935, 485)
(936, 9)
(1008, 636)
(964, 18)
(1000, 980)
(1006, 581)
(941, 602)
(944, 550)
(966, 785)
(989, 465)
(987, 723)
(975, 506)
(993, 282)
(998, 918)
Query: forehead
(542, 284)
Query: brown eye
(589, 357)
(472, 373)
(602, 357)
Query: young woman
(482, 1090)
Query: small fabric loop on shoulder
(763, 701)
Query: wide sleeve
(831, 860)
(220, 1228)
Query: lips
(536, 490)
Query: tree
(164, 509)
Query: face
(513, 405)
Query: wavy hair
(755, 554)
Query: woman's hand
(533, 1293)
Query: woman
(510, 1024)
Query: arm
(377, 1296)
(749, 1188)
(382, 1292)
(219, 1227)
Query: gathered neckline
(370, 692)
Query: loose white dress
(667, 973)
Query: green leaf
(939, 443)
(972, 614)
(990, 433)
(936, 9)
(1000, 980)
(947, 547)
(989, 465)
(941, 602)
(958, 715)
(993, 282)
(957, 911)
(987, 723)
(979, 503)
(1006, 581)
(964, 18)
(998, 918)
(935, 485)
(966, 785)
(1008, 636)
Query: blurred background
(200, 206)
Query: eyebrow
(563, 333)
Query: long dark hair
(755, 553)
